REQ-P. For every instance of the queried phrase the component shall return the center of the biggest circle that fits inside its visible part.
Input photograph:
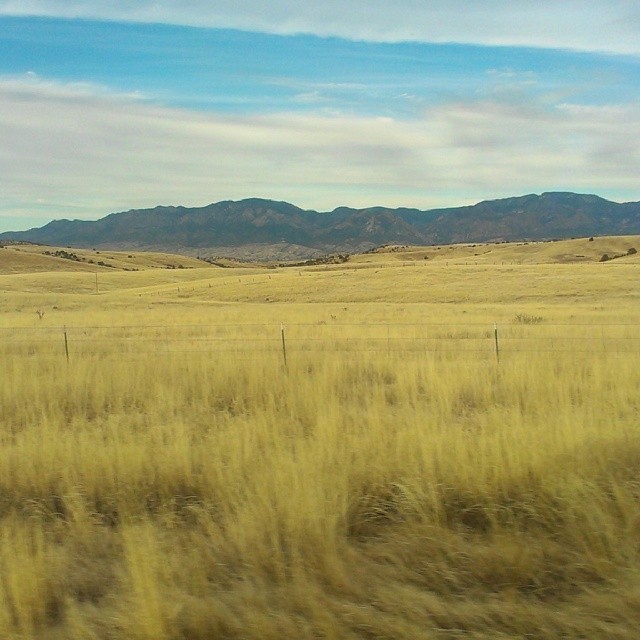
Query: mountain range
(267, 229)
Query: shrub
(523, 318)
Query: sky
(109, 106)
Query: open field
(174, 480)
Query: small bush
(523, 318)
(632, 251)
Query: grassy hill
(27, 258)
(30, 258)
(549, 252)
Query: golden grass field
(173, 480)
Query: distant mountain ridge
(270, 229)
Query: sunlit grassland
(174, 479)
(22, 258)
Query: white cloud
(602, 25)
(87, 154)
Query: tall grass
(175, 481)
(361, 494)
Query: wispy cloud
(91, 153)
(603, 25)
(234, 71)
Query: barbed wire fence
(288, 339)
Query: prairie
(174, 479)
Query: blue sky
(110, 106)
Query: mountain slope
(256, 226)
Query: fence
(287, 339)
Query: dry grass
(578, 250)
(25, 258)
(394, 491)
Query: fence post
(66, 343)
(284, 345)
(495, 333)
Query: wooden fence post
(66, 344)
(284, 345)
(495, 333)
